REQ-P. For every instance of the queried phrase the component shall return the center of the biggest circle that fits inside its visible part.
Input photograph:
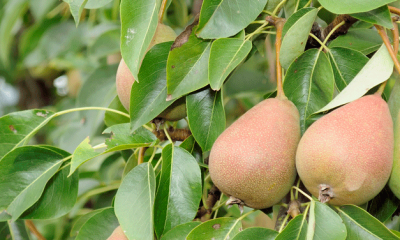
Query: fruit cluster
(345, 157)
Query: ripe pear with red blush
(125, 80)
(346, 156)
(253, 160)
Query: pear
(394, 181)
(125, 80)
(346, 156)
(253, 160)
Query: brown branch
(142, 151)
(311, 42)
(388, 45)
(213, 196)
(34, 230)
(175, 134)
(348, 22)
(394, 10)
(162, 11)
(278, 23)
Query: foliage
(74, 164)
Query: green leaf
(97, 91)
(219, 228)
(111, 118)
(111, 168)
(122, 138)
(13, 10)
(17, 128)
(59, 195)
(377, 70)
(193, 147)
(360, 39)
(328, 225)
(180, 189)
(134, 202)
(296, 229)
(4, 230)
(206, 116)
(99, 226)
(346, 63)
(394, 106)
(225, 18)
(187, 67)
(148, 97)
(83, 219)
(18, 230)
(20, 190)
(383, 205)
(361, 225)
(309, 83)
(258, 233)
(138, 24)
(40, 8)
(106, 44)
(94, 4)
(291, 5)
(380, 16)
(225, 55)
(296, 31)
(76, 7)
(180, 231)
(82, 153)
(354, 6)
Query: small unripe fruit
(346, 156)
(253, 160)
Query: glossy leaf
(17, 128)
(293, 5)
(18, 230)
(93, 4)
(225, 55)
(219, 228)
(296, 229)
(206, 116)
(76, 7)
(20, 190)
(377, 70)
(361, 225)
(180, 189)
(256, 233)
(328, 225)
(187, 67)
(354, 6)
(138, 25)
(111, 118)
(82, 153)
(360, 39)
(122, 138)
(148, 97)
(193, 147)
(225, 18)
(180, 231)
(346, 63)
(83, 219)
(383, 205)
(380, 16)
(296, 31)
(309, 83)
(99, 225)
(13, 10)
(134, 202)
(59, 195)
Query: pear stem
(162, 11)
(278, 23)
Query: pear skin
(254, 159)
(346, 156)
